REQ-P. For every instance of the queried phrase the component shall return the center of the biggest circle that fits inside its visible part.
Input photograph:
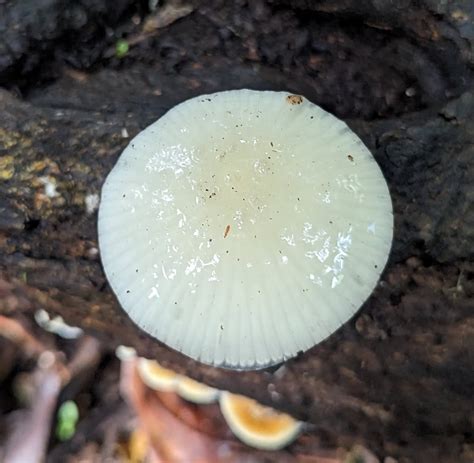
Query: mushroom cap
(124, 353)
(196, 392)
(258, 426)
(244, 227)
(155, 376)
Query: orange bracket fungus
(164, 380)
(258, 426)
(244, 227)
(254, 424)
(196, 392)
(155, 376)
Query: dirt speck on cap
(294, 99)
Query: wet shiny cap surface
(244, 227)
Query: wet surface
(307, 223)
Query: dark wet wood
(399, 376)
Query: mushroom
(258, 426)
(244, 227)
(57, 325)
(155, 376)
(165, 380)
(196, 392)
(125, 353)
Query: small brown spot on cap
(350, 158)
(294, 99)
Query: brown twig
(15, 332)
(164, 17)
(28, 441)
(31, 428)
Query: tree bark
(399, 376)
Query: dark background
(399, 377)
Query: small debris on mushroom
(294, 99)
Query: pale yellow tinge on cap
(258, 426)
(196, 392)
(125, 353)
(244, 227)
(157, 377)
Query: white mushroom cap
(244, 227)
(258, 426)
(125, 353)
(196, 392)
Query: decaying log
(399, 376)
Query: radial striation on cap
(244, 227)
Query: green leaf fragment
(121, 48)
(67, 417)
(65, 430)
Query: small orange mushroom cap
(157, 377)
(196, 392)
(165, 380)
(258, 426)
